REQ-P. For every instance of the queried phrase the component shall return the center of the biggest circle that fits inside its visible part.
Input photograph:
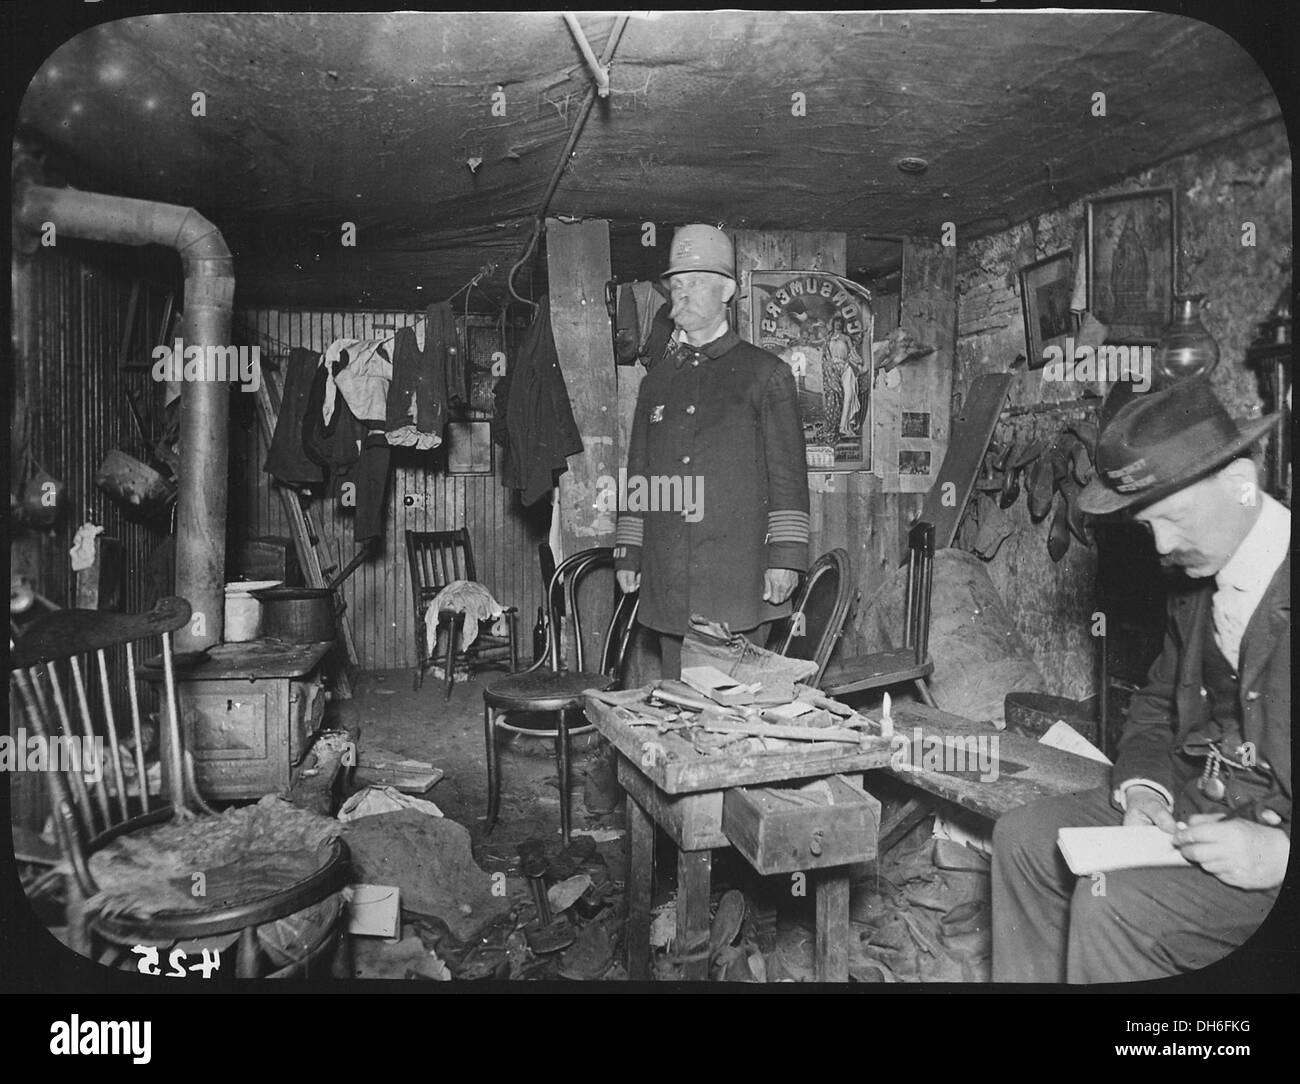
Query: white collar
(1253, 562)
(679, 336)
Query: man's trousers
(1051, 926)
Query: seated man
(1206, 751)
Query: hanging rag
(425, 380)
(654, 328)
(287, 461)
(333, 444)
(541, 432)
(627, 326)
(363, 372)
(657, 325)
(463, 596)
(83, 546)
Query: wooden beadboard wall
(503, 533)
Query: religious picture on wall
(1045, 300)
(1131, 241)
(820, 325)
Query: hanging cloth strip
(364, 380)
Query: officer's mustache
(680, 305)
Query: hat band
(1189, 445)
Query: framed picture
(1131, 240)
(1045, 288)
(488, 341)
(469, 447)
(822, 329)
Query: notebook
(1100, 850)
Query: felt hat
(1161, 441)
(701, 248)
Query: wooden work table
(673, 786)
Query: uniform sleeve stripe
(630, 531)
(788, 526)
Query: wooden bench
(1026, 770)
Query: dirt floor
(899, 905)
(448, 733)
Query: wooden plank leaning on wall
(577, 265)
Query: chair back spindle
(920, 558)
(67, 709)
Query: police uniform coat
(1171, 708)
(724, 418)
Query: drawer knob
(816, 845)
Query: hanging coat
(541, 432)
(287, 461)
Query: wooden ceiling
(316, 120)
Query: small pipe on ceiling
(539, 219)
(599, 71)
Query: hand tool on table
(817, 700)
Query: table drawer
(779, 831)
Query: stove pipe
(205, 404)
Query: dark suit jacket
(1172, 708)
(729, 420)
(540, 430)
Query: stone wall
(1218, 188)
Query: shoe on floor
(601, 793)
(727, 921)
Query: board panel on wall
(421, 496)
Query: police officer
(717, 420)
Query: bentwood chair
(911, 661)
(816, 621)
(83, 682)
(546, 687)
(437, 558)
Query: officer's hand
(1146, 806)
(628, 581)
(779, 584)
(1241, 853)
